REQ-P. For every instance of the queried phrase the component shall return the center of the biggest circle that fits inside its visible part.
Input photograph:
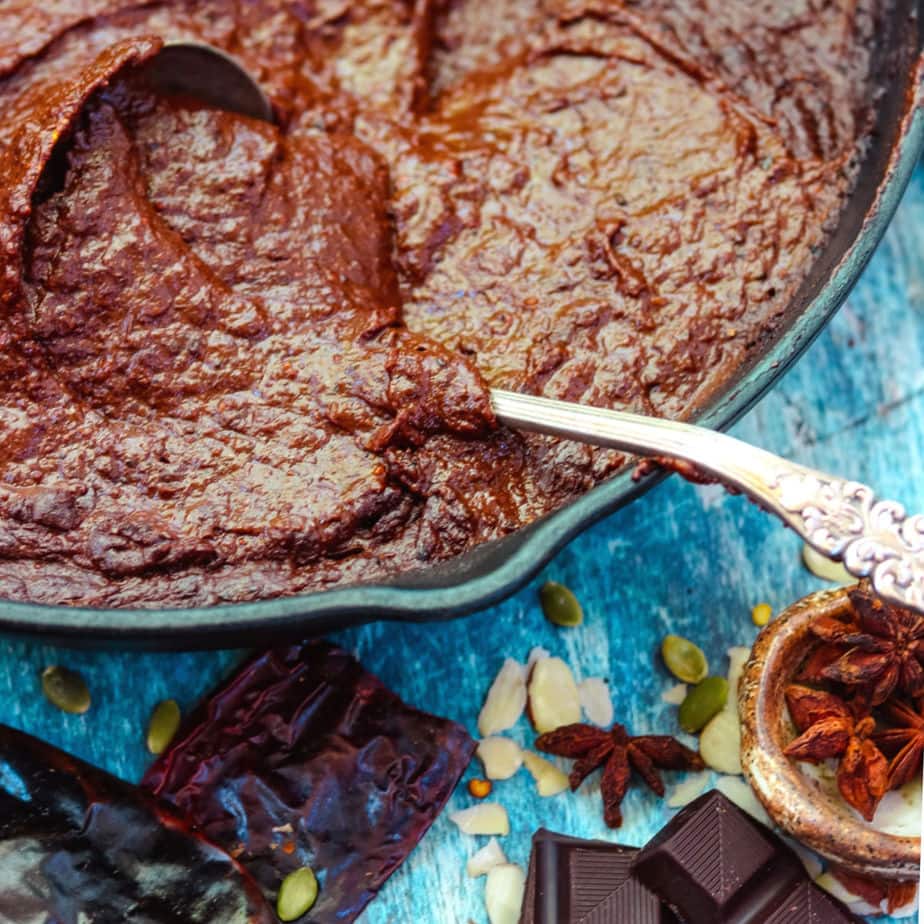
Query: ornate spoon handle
(841, 519)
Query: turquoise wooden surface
(683, 559)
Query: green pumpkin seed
(560, 606)
(66, 689)
(165, 720)
(683, 659)
(704, 701)
(298, 892)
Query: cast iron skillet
(491, 572)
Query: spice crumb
(761, 614)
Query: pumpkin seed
(165, 720)
(761, 614)
(683, 659)
(66, 689)
(298, 892)
(560, 605)
(703, 702)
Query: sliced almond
(500, 756)
(550, 780)
(503, 894)
(536, 654)
(505, 701)
(899, 812)
(596, 701)
(736, 790)
(553, 695)
(822, 567)
(675, 695)
(481, 863)
(720, 740)
(737, 658)
(684, 793)
(834, 887)
(484, 818)
(720, 743)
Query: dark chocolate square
(714, 864)
(574, 881)
(809, 904)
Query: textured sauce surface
(240, 360)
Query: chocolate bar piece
(812, 904)
(714, 864)
(574, 880)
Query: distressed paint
(682, 559)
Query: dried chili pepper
(829, 728)
(80, 845)
(619, 754)
(304, 740)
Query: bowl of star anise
(832, 711)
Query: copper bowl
(792, 798)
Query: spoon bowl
(210, 75)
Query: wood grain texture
(682, 559)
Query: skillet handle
(841, 519)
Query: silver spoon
(840, 519)
(210, 75)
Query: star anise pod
(883, 648)
(904, 743)
(619, 754)
(830, 728)
(820, 658)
